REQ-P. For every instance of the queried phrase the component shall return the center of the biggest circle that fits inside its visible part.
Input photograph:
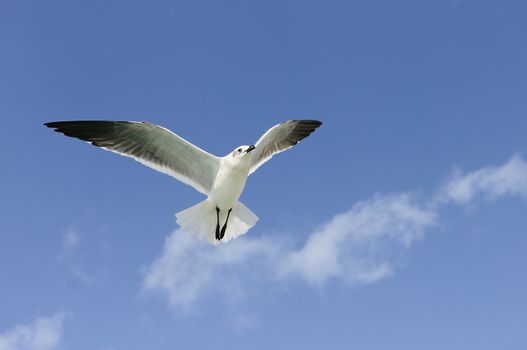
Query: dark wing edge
(281, 137)
(149, 144)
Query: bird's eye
(239, 149)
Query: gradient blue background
(406, 90)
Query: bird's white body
(230, 181)
(222, 205)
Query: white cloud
(189, 269)
(489, 182)
(71, 240)
(69, 256)
(359, 246)
(43, 334)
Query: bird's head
(243, 151)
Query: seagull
(221, 179)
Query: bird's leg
(224, 228)
(218, 224)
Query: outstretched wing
(280, 138)
(149, 144)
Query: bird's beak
(250, 149)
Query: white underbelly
(227, 188)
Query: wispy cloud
(188, 269)
(359, 246)
(490, 183)
(69, 256)
(71, 240)
(70, 243)
(43, 334)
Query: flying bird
(220, 217)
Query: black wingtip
(59, 127)
(310, 122)
(59, 124)
(307, 125)
(54, 125)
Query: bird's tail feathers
(200, 220)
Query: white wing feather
(149, 144)
(280, 138)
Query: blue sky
(399, 224)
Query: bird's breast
(228, 186)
